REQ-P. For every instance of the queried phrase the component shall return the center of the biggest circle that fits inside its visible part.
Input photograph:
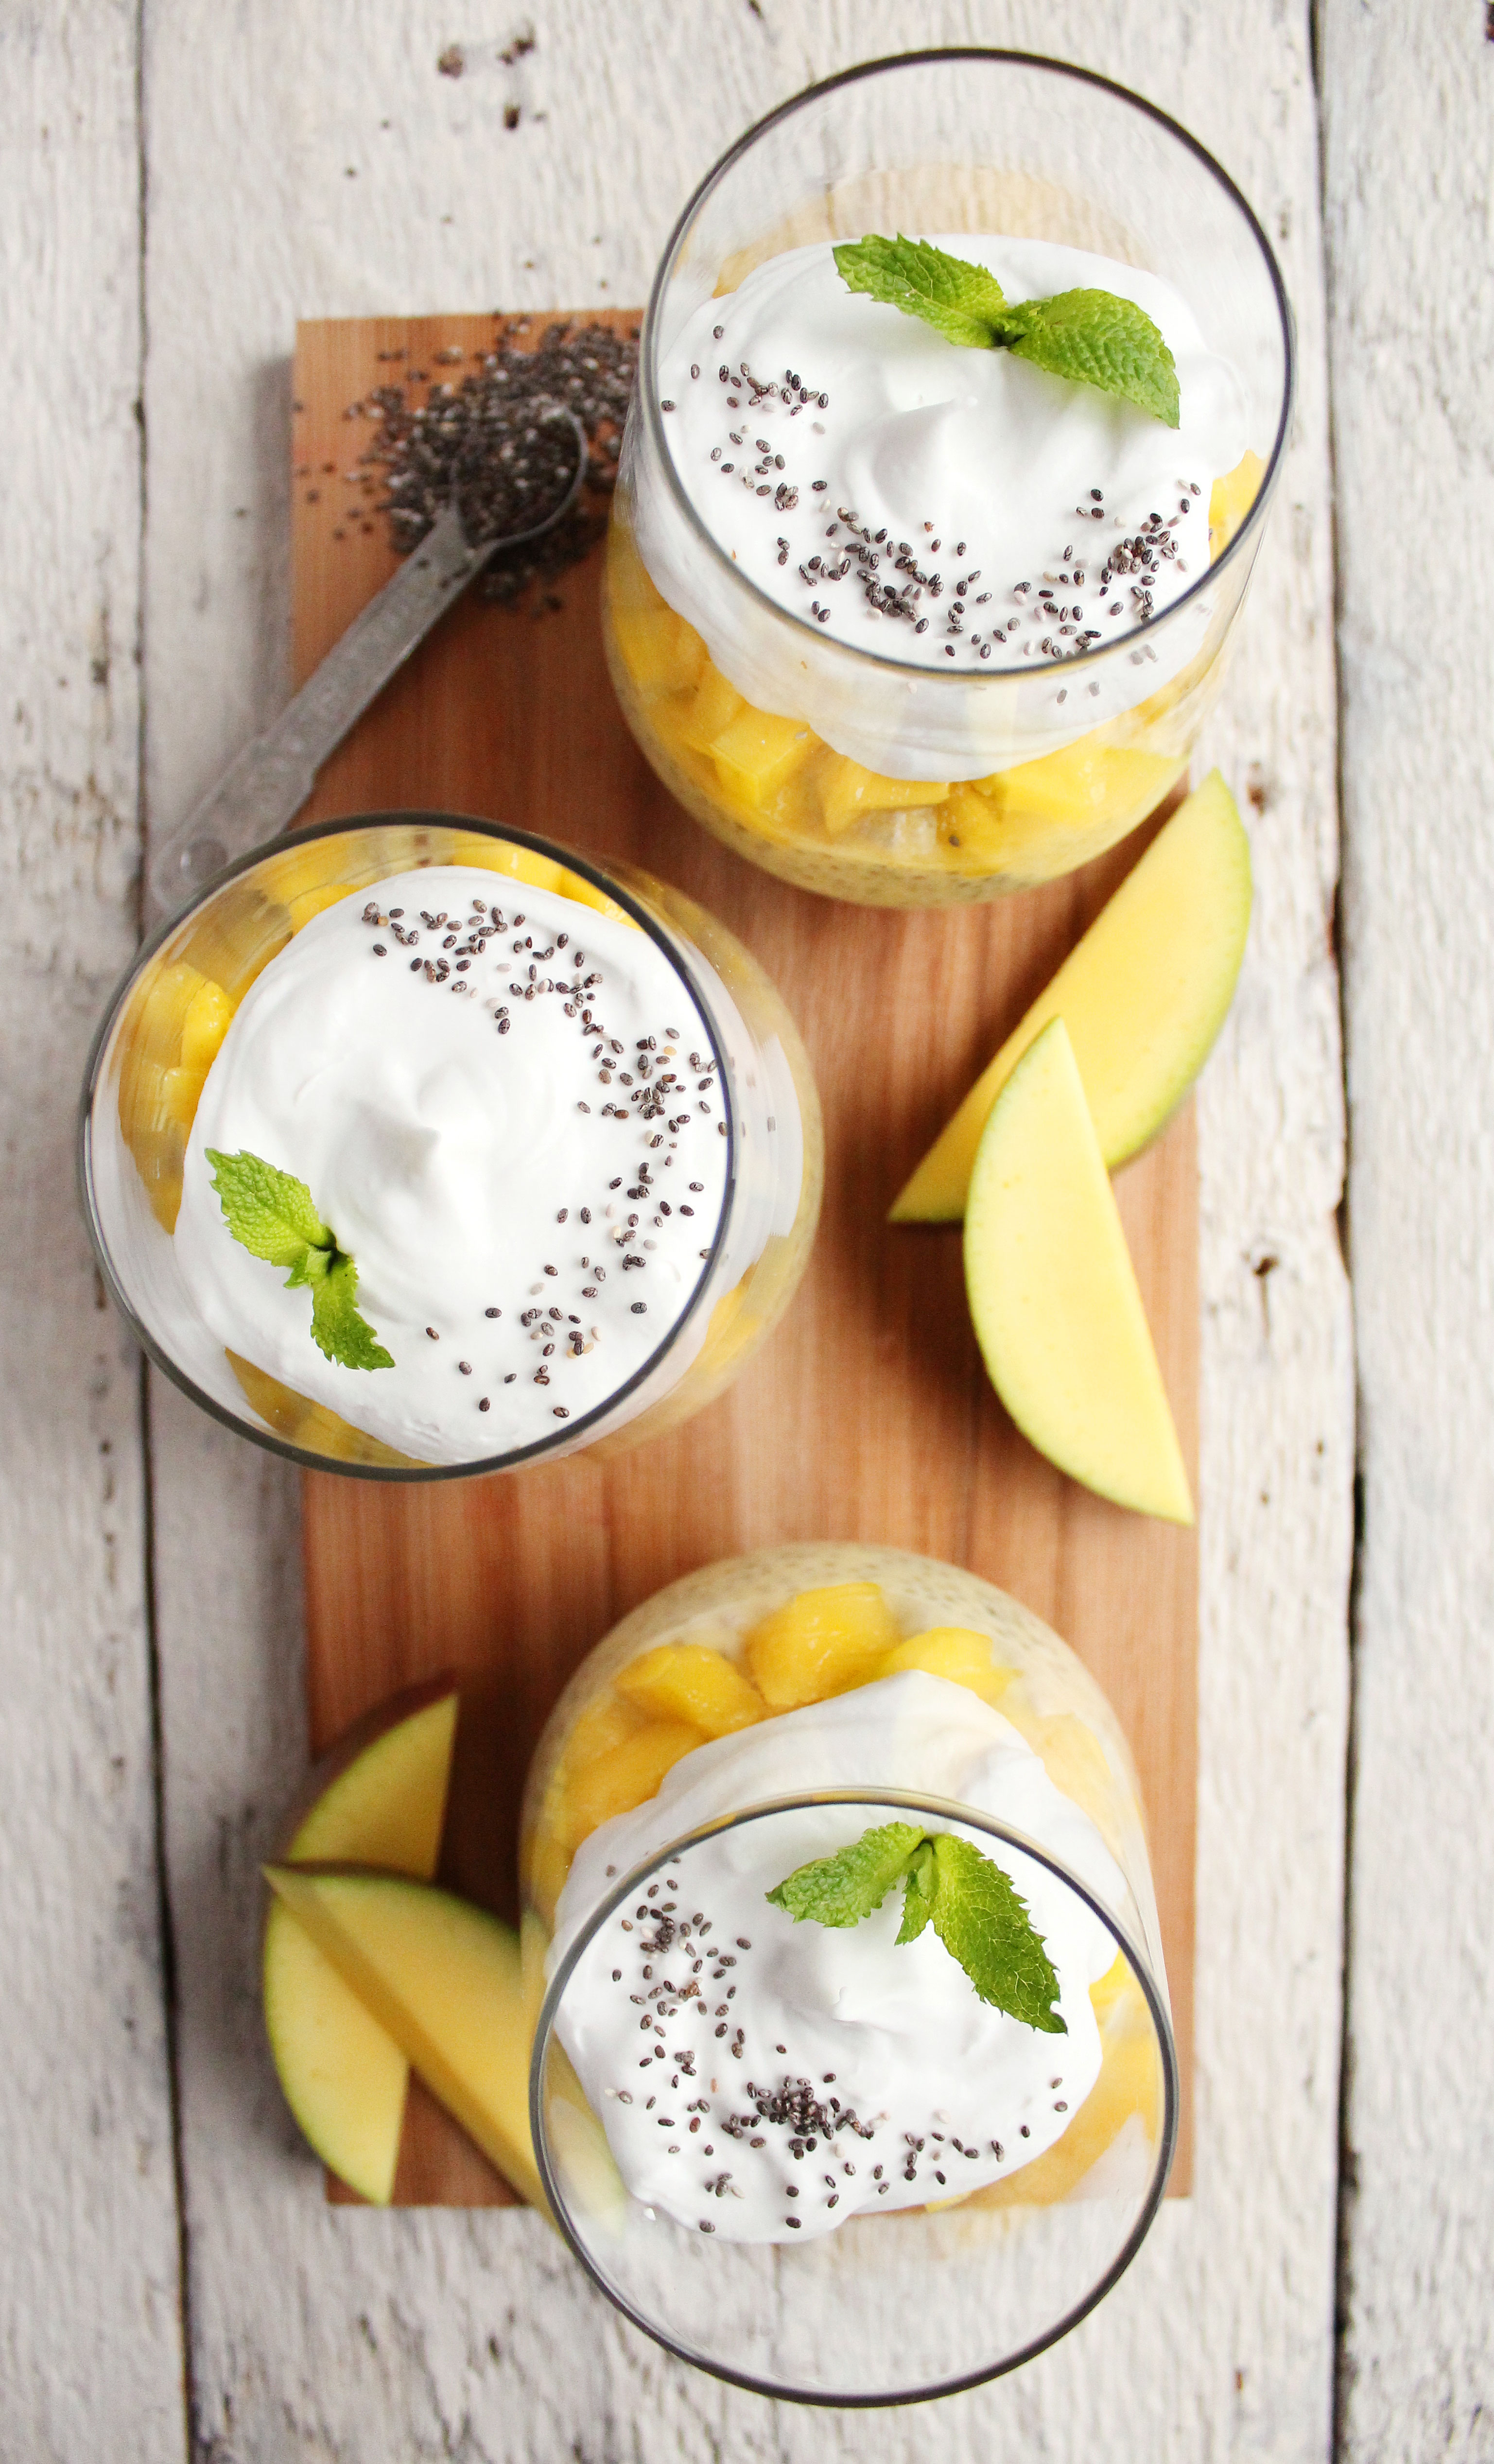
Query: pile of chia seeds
(485, 440)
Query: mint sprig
(1091, 338)
(273, 1216)
(972, 1907)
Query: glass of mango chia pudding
(963, 389)
(853, 2076)
(420, 1146)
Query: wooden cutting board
(867, 1415)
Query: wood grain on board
(867, 1415)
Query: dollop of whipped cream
(713, 2035)
(850, 455)
(521, 1156)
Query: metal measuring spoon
(267, 786)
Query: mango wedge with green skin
(1143, 996)
(1053, 1293)
(443, 1977)
(343, 2075)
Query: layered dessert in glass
(840, 1928)
(419, 1145)
(895, 607)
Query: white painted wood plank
(90, 2329)
(1408, 148)
(339, 2333)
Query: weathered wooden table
(177, 181)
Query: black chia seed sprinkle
(489, 443)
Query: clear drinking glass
(798, 749)
(171, 1010)
(896, 2303)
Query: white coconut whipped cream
(506, 1106)
(765, 2080)
(958, 511)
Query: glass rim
(948, 1809)
(516, 1457)
(648, 394)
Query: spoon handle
(262, 791)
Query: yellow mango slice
(386, 1803)
(953, 1652)
(685, 1681)
(847, 791)
(341, 2071)
(625, 1776)
(1143, 996)
(343, 2076)
(1230, 499)
(823, 1643)
(755, 752)
(442, 1978)
(1053, 1293)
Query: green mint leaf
(983, 1923)
(310, 1267)
(962, 302)
(269, 1213)
(972, 1907)
(918, 1898)
(841, 1889)
(1093, 338)
(338, 1326)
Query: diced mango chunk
(625, 1776)
(308, 903)
(179, 1092)
(823, 1643)
(708, 712)
(1230, 499)
(604, 1724)
(303, 865)
(539, 872)
(661, 652)
(1074, 1760)
(686, 1680)
(208, 1015)
(155, 1031)
(1083, 784)
(301, 1422)
(758, 751)
(953, 1652)
(547, 1861)
(847, 791)
(1130, 2083)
